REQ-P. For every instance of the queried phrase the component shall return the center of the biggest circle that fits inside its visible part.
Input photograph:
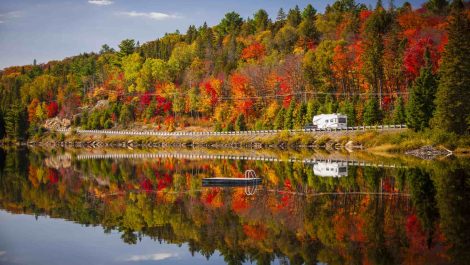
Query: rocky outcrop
(429, 152)
(101, 104)
(56, 123)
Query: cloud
(2, 253)
(12, 14)
(153, 257)
(100, 2)
(9, 16)
(151, 15)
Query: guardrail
(191, 156)
(259, 132)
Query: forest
(379, 65)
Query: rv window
(342, 120)
(331, 120)
(342, 169)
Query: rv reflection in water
(330, 169)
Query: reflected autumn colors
(328, 212)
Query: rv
(330, 169)
(330, 121)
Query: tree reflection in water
(417, 215)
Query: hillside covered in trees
(377, 65)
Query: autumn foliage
(52, 109)
(254, 51)
(210, 75)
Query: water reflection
(330, 169)
(347, 214)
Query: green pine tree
(125, 117)
(372, 114)
(307, 28)
(300, 113)
(289, 118)
(452, 97)
(420, 105)
(399, 114)
(217, 127)
(312, 108)
(16, 122)
(151, 110)
(348, 108)
(229, 127)
(2, 125)
(240, 124)
(279, 121)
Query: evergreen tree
(452, 97)
(279, 121)
(229, 127)
(240, 124)
(294, 17)
(125, 116)
(307, 28)
(289, 118)
(375, 28)
(126, 47)
(261, 20)
(230, 24)
(191, 34)
(281, 15)
(300, 113)
(437, 6)
(420, 105)
(372, 111)
(2, 125)
(312, 108)
(151, 110)
(16, 122)
(106, 49)
(84, 120)
(217, 127)
(399, 114)
(330, 106)
(108, 124)
(348, 109)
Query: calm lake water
(149, 206)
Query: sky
(54, 29)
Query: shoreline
(399, 141)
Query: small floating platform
(230, 182)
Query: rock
(53, 124)
(101, 104)
(66, 123)
(428, 152)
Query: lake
(96, 206)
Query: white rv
(330, 169)
(330, 121)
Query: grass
(408, 140)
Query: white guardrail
(260, 132)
